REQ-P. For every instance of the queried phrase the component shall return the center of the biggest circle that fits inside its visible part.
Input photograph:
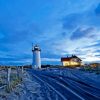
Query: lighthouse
(36, 57)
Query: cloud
(53, 27)
(81, 32)
(50, 59)
(82, 26)
(97, 10)
(87, 17)
(19, 34)
(71, 21)
(64, 34)
(97, 45)
(14, 60)
(91, 59)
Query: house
(72, 61)
(94, 65)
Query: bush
(13, 84)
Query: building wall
(36, 59)
(71, 63)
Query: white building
(36, 57)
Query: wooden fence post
(8, 78)
(22, 69)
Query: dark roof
(69, 58)
(66, 59)
(36, 47)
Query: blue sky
(60, 27)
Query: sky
(60, 27)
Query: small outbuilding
(72, 61)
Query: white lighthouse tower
(36, 57)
